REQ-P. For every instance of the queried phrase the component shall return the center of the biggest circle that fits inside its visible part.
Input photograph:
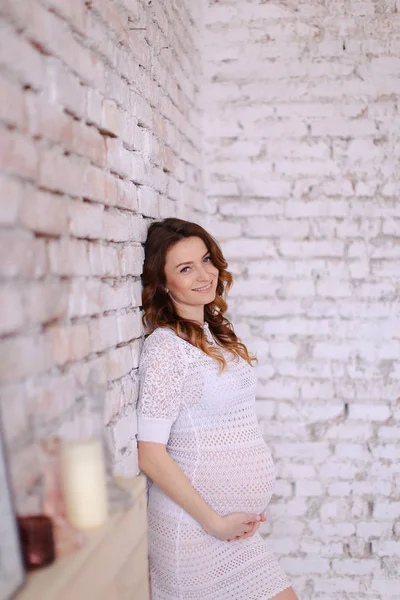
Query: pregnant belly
(236, 480)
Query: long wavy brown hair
(159, 309)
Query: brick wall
(99, 133)
(302, 146)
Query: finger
(250, 533)
(263, 518)
(245, 535)
(253, 530)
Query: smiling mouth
(205, 288)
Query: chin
(211, 299)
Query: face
(191, 277)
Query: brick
(350, 431)
(22, 256)
(159, 182)
(123, 431)
(45, 302)
(139, 171)
(12, 104)
(111, 118)
(339, 488)
(87, 142)
(131, 260)
(372, 529)
(44, 213)
(104, 260)
(113, 401)
(86, 220)
(69, 343)
(59, 173)
(125, 294)
(379, 488)
(51, 398)
(129, 326)
(85, 298)
(148, 202)
(18, 154)
(94, 103)
(260, 227)
(135, 137)
(66, 90)
(305, 565)
(344, 127)
(369, 413)
(119, 158)
(123, 227)
(98, 185)
(312, 249)
(309, 488)
(354, 567)
(68, 257)
(79, 345)
(385, 586)
(11, 194)
(390, 432)
(14, 412)
(318, 450)
(103, 333)
(386, 451)
(352, 451)
(25, 473)
(126, 195)
(119, 362)
(23, 357)
(11, 310)
(386, 548)
(248, 248)
(298, 471)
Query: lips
(205, 288)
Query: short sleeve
(162, 370)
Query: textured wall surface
(302, 134)
(99, 133)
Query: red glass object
(37, 541)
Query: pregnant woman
(211, 473)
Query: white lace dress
(209, 424)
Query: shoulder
(161, 335)
(163, 346)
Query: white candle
(84, 483)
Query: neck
(193, 313)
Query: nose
(202, 273)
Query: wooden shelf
(112, 565)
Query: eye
(207, 258)
(184, 269)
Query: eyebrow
(190, 262)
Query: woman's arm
(155, 461)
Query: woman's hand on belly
(255, 527)
(234, 525)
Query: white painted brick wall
(302, 132)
